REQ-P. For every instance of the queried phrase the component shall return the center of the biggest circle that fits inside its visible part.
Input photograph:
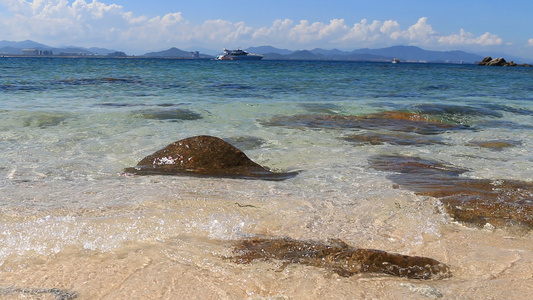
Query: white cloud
(363, 31)
(220, 31)
(421, 31)
(56, 22)
(389, 27)
(467, 38)
(277, 31)
(530, 42)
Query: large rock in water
(204, 156)
(480, 202)
(339, 257)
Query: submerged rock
(468, 200)
(455, 113)
(44, 119)
(494, 144)
(37, 293)
(204, 156)
(321, 108)
(337, 256)
(380, 138)
(168, 114)
(389, 120)
(245, 142)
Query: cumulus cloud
(305, 32)
(363, 31)
(277, 31)
(59, 22)
(467, 38)
(421, 31)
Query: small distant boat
(395, 60)
(238, 55)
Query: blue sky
(138, 26)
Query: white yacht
(238, 55)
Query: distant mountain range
(404, 53)
(15, 48)
(177, 53)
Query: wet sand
(193, 269)
(485, 264)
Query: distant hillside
(404, 53)
(15, 48)
(268, 49)
(177, 53)
(172, 52)
(27, 44)
(411, 53)
(101, 51)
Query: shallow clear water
(68, 128)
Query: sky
(140, 26)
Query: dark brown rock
(204, 156)
(468, 200)
(337, 256)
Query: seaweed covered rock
(393, 138)
(472, 201)
(172, 115)
(339, 257)
(204, 156)
(389, 120)
(494, 144)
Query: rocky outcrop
(204, 156)
(337, 256)
(500, 61)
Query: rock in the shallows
(204, 156)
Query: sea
(74, 225)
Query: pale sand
(486, 265)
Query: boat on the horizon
(395, 60)
(238, 54)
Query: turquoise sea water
(68, 128)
